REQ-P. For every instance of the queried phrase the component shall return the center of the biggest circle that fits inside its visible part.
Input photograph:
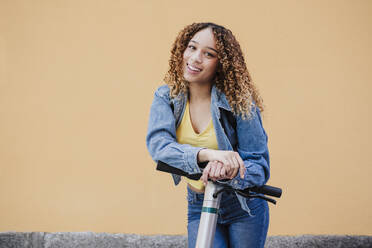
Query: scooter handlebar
(265, 189)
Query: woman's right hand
(231, 161)
(215, 171)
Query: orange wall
(76, 84)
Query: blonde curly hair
(232, 76)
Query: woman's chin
(193, 80)
(190, 79)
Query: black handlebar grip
(268, 190)
(170, 169)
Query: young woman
(209, 111)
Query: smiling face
(200, 58)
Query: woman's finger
(213, 170)
(206, 170)
(217, 171)
(236, 165)
(242, 166)
(223, 172)
(242, 171)
(229, 170)
(235, 168)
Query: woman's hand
(231, 161)
(214, 170)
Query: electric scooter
(212, 198)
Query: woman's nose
(196, 57)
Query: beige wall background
(76, 83)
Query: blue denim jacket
(249, 138)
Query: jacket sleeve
(161, 139)
(252, 148)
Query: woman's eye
(191, 47)
(209, 55)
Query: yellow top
(186, 135)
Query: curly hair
(232, 76)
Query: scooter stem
(209, 215)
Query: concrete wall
(111, 240)
(77, 80)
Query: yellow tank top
(186, 135)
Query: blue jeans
(235, 227)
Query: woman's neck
(199, 92)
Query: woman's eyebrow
(207, 47)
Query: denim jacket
(248, 138)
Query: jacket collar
(219, 99)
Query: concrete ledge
(107, 240)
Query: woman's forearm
(204, 155)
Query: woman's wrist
(204, 155)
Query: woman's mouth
(193, 69)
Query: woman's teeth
(193, 68)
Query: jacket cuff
(238, 183)
(191, 160)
